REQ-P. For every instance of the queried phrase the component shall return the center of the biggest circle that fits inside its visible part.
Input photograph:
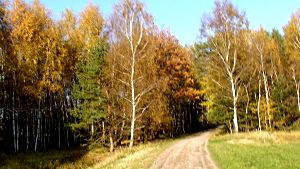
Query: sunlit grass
(139, 157)
(257, 150)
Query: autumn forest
(122, 81)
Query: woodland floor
(190, 153)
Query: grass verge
(257, 150)
(140, 156)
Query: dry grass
(141, 156)
(262, 137)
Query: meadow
(256, 150)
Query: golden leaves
(292, 37)
(175, 64)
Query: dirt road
(190, 153)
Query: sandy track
(190, 153)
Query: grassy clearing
(265, 150)
(141, 156)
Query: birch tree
(131, 24)
(267, 54)
(224, 30)
(292, 45)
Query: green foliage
(255, 70)
(285, 103)
(87, 90)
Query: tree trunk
(17, 131)
(103, 131)
(132, 128)
(13, 115)
(14, 130)
(92, 128)
(67, 130)
(298, 96)
(247, 106)
(38, 127)
(111, 141)
(234, 96)
(258, 106)
(297, 88)
(267, 98)
(44, 132)
(27, 134)
(59, 135)
(132, 98)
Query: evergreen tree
(87, 90)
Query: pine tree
(87, 90)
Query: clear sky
(183, 17)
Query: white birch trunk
(298, 96)
(92, 128)
(27, 134)
(17, 132)
(133, 47)
(267, 94)
(111, 141)
(233, 79)
(247, 106)
(103, 131)
(132, 102)
(266, 86)
(38, 129)
(234, 96)
(297, 88)
(33, 122)
(258, 106)
(13, 117)
(14, 131)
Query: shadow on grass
(39, 160)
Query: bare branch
(125, 83)
(223, 60)
(122, 72)
(234, 61)
(141, 35)
(131, 33)
(138, 97)
(143, 48)
(127, 99)
(143, 110)
(139, 78)
(297, 43)
(126, 29)
(217, 83)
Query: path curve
(190, 153)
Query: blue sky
(183, 17)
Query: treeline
(250, 77)
(80, 78)
(120, 81)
